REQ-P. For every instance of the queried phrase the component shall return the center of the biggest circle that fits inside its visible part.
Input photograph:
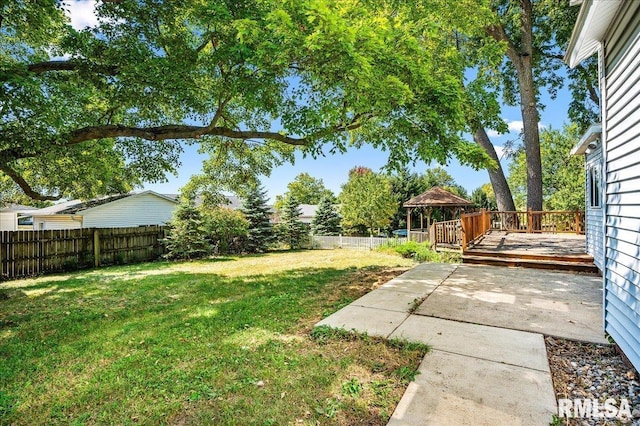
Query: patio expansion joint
(376, 308)
(490, 360)
(423, 299)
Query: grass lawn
(224, 341)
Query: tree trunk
(521, 54)
(499, 183)
(531, 119)
(529, 108)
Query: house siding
(137, 210)
(621, 125)
(56, 222)
(8, 221)
(594, 225)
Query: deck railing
(474, 225)
(448, 232)
(539, 221)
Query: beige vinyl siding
(56, 222)
(136, 210)
(622, 176)
(594, 237)
(8, 221)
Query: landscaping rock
(592, 371)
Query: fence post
(463, 222)
(371, 242)
(340, 241)
(432, 236)
(529, 220)
(577, 216)
(96, 247)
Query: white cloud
(515, 125)
(82, 14)
(493, 134)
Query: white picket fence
(363, 243)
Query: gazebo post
(409, 224)
(421, 220)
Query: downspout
(603, 179)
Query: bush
(225, 229)
(421, 252)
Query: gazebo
(435, 198)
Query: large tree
(306, 190)
(105, 109)
(366, 200)
(562, 174)
(534, 34)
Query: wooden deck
(544, 251)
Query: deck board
(560, 245)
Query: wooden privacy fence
(331, 242)
(27, 253)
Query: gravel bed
(591, 371)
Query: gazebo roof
(437, 197)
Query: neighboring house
(118, 211)
(10, 214)
(308, 212)
(612, 28)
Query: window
(594, 185)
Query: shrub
(225, 229)
(421, 252)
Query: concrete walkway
(485, 325)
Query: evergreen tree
(291, 230)
(256, 211)
(187, 238)
(326, 220)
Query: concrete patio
(485, 325)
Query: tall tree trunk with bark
(499, 183)
(520, 54)
(530, 120)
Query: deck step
(552, 264)
(575, 258)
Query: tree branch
(70, 65)
(174, 131)
(586, 76)
(498, 34)
(177, 131)
(22, 183)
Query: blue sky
(334, 169)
